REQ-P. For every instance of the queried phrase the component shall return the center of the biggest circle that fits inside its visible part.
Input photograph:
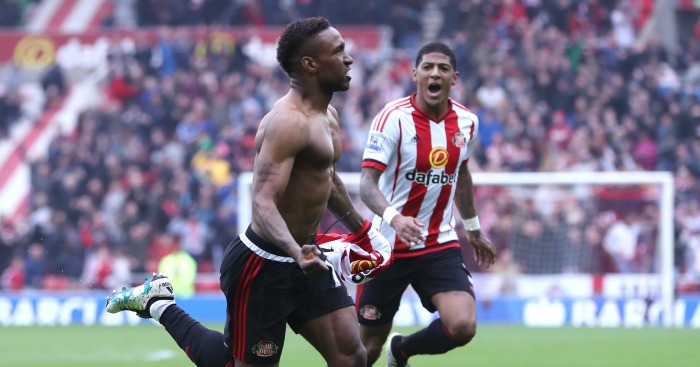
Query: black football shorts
(429, 274)
(265, 290)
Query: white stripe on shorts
(262, 253)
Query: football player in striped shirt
(414, 168)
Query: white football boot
(140, 298)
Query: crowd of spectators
(404, 13)
(565, 86)
(13, 12)
(10, 110)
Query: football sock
(203, 346)
(397, 349)
(433, 339)
(158, 307)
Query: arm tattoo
(265, 171)
(340, 204)
(369, 191)
(464, 200)
(464, 194)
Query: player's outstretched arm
(282, 141)
(409, 229)
(484, 251)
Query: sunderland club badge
(459, 140)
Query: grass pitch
(494, 346)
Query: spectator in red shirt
(13, 277)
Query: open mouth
(434, 88)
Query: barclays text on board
(39, 309)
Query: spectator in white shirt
(621, 241)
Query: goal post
(517, 184)
(666, 200)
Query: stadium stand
(564, 85)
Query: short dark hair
(437, 47)
(294, 36)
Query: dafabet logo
(439, 157)
(34, 52)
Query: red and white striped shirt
(420, 158)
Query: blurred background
(126, 127)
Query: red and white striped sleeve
(383, 138)
(474, 135)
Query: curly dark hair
(294, 36)
(438, 47)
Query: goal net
(566, 235)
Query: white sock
(158, 307)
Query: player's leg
(325, 317)
(203, 346)
(373, 338)
(155, 299)
(260, 285)
(336, 336)
(455, 327)
(457, 311)
(378, 301)
(445, 286)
